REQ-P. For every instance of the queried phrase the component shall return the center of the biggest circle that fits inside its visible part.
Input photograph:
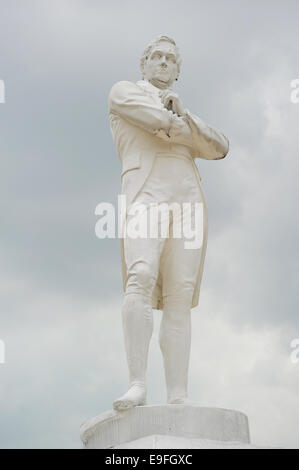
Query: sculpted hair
(147, 51)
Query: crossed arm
(128, 100)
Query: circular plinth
(189, 421)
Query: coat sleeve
(208, 143)
(127, 100)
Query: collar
(147, 86)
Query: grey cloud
(59, 282)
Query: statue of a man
(157, 140)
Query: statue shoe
(180, 401)
(135, 396)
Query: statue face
(161, 67)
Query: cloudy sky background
(61, 287)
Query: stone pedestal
(167, 426)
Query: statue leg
(179, 268)
(142, 258)
(175, 341)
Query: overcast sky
(61, 287)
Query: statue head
(160, 63)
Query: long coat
(142, 128)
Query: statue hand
(172, 101)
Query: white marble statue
(157, 140)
